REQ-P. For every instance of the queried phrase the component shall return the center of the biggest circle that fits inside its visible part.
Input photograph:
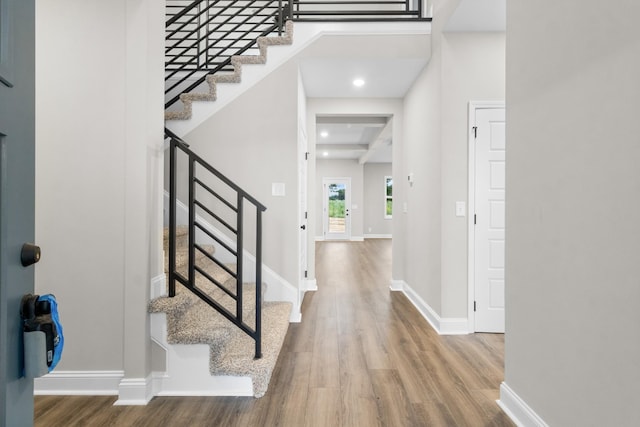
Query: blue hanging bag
(40, 313)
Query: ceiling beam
(385, 137)
(354, 120)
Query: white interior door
(489, 229)
(336, 207)
(302, 178)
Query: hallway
(363, 356)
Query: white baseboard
(295, 317)
(357, 239)
(377, 236)
(134, 392)
(397, 285)
(516, 408)
(319, 238)
(96, 383)
(204, 385)
(443, 326)
(311, 285)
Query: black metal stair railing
(358, 11)
(203, 35)
(228, 212)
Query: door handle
(30, 254)
(303, 227)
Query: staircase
(208, 42)
(216, 339)
(185, 321)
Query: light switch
(461, 208)
(277, 189)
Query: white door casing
(304, 230)
(487, 151)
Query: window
(388, 197)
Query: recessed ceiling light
(358, 82)
(325, 153)
(324, 134)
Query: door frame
(325, 206)
(471, 174)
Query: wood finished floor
(363, 356)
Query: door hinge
(305, 274)
(306, 155)
(475, 131)
(305, 215)
(474, 305)
(474, 219)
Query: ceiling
(389, 63)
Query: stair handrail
(178, 144)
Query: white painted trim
(357, 239)
(295, 317)
(471, 175)
(158, 286)
(135, 392)
(319, 238)
(443, 326)
(203, 385)
(311, 285)
(96, 383)
(397, 285)
(517, 409)
(377, 236)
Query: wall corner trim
(442, 325)
(516, 408)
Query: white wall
(573, 193)
(341, 169)
(473, 69)
(98, 169)
(253, 141)
(464, 67)
(374, 208)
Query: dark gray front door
(17, 204)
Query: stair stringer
(305, 34)
(275, 287)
